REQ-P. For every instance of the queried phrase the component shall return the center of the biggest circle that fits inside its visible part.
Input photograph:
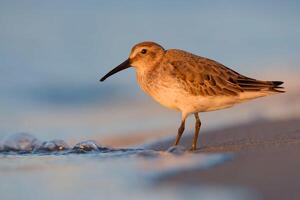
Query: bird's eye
(144, 51)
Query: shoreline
(266, 158)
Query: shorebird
(190, 83)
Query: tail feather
(249, 84)
(276, 86)
(277, 83)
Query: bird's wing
(202, 76)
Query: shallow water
(53, 170)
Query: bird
(189, 83)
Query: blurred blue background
(53, 53)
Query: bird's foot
(193, 148)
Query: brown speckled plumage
(204, 77)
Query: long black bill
(122, 66)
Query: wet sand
(266, 161)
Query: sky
(53, 53)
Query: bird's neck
(146, 79)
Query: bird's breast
(161, 90)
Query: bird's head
(143, 56)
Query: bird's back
(206, 77)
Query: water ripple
(28, 144)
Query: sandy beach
(266, 158)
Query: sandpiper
(189, 83)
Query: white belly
(183, 101)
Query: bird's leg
(197, 130)
(180, 132)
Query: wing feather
(206, 77)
